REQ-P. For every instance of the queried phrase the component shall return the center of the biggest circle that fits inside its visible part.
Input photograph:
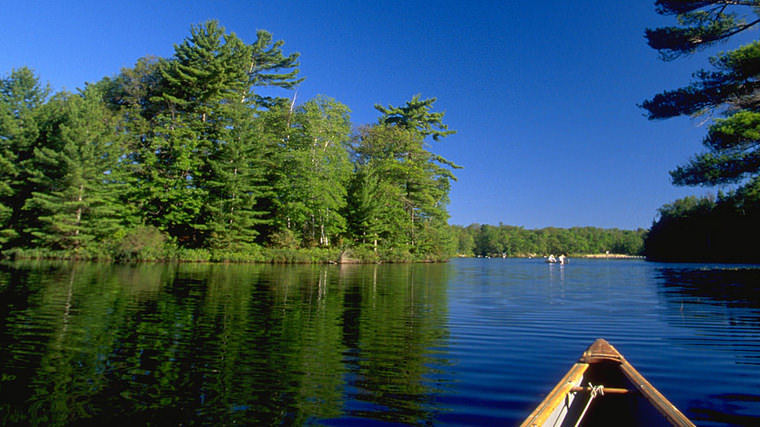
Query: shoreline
(612, 256)
(570, 256)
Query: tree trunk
(79, 209)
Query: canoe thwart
(606, 390)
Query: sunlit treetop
(416, 114)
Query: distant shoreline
(613, 256)
(570, 256)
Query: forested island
(187, 158)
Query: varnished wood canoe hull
(626, 398)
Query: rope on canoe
(595, 389)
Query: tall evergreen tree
(702, 24)
(170, 166)
(413, 182)
(424, 177)
(21, 96)
(367, 210)
(273, 131)
(77, 175)
(205, 70)
(270, 67)
(416, 114)
(730, 89)
(378, 196)
(237, 181)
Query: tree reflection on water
(219, 344)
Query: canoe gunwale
(557, 403)
(655, 398)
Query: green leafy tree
(170, 194)
(730, 89)
(273, 129)
(486, 241)
(490, 240)
(8, 168)
(384, 204)
(320, 169)
(465, 240)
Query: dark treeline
(185, 157)
(718, 229)
(511, 241)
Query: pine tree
(269, 67)
(395, 151)
(21, 96)
(169, 192)
(236, 182)
(203, 109)
(416, 114)
(703, 23)
(375, 214)
(730, 89)
(77, 175)
(274, 128)
(407, 191)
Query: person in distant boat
(562, 259)
(551, 258)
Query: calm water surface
(471, 342)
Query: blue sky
(543, 94)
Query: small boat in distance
(603, 389)
(558, 260)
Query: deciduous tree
(320, 168)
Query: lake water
(471, 342)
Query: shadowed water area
(474, 341)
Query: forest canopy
(186, 157)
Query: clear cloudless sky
(543, 94)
